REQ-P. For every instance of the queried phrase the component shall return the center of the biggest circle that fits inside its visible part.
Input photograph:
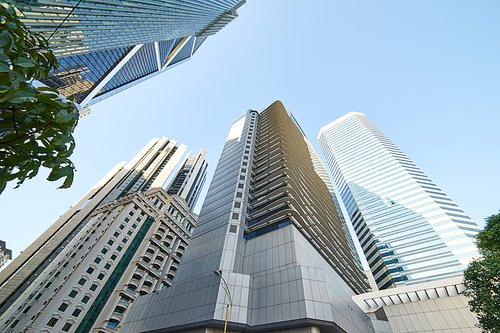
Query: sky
(425, 72)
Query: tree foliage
(482, 277)
(36, 126)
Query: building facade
(150, 168)
(5, 253)
(269, 227)
(129, 247)
(106, 47)
(409, 229)
(432, 307)
(190, 178)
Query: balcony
(117, 316)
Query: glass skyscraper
(409, 229)
(104, 47)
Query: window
(135, 207)
(14, 323)
(134, 225)
(82, 281)
(125, 240)
(127, 219)
(143, 213)
(161, 206)
(119, 248)
(156, 201)
(239, 194)
(63, 307)
(237, 204)
(97, 260)
(66, 327)
(131, 288)
(129, 233)
(138, 219)
(116, 234)
(113, 257)
(73, 293)
(131, 213)
(100, 276)
(112, 323)
(121, 226)
(85, 299)
(104, 251)
(107, 266)
(93, 287)
(52, 322)
(245, 163)
(90, 270)
(76, 313)
(240, 185)
(236, 216)
(110, 242)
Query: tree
(482, 277)
(36, 125)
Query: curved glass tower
(409, 229)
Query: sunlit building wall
(269, 224)
(409, 229)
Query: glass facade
(409, 229)
(105, 47)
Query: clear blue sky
(425, 72)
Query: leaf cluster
(482, 277)
(36, 125)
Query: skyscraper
(409, 229)
(106, 47)
(150, 168)
(129, 247)
(269, 227)
(5, 253)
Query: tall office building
(150, 168)
(409, 229)
(190, 178)
(269, 225)
(129, 247)
(104, 47)
(5, 253)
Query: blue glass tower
(105, 47)
(409, 229)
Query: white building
(151, 168)
(410, 230)
(130, 247)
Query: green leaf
(61, 139)
(57, 172)
(22, 96)
(23, 62)
(4, 37)
(63, 117)
(68, 181)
